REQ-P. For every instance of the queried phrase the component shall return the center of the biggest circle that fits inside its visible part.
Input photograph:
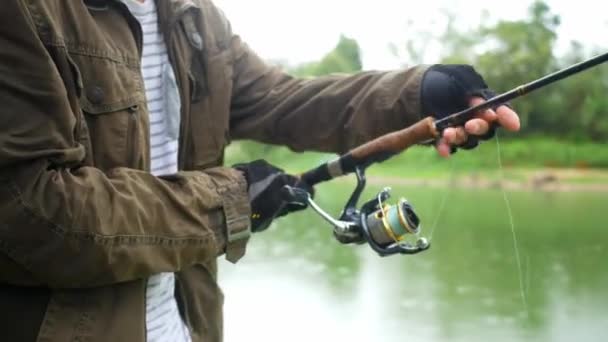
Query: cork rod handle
(374, 151)
(398, 141)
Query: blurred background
(477, 282)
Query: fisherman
(114, 204)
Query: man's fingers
(448, 135)
(443, 148)
(488, 114)
(505, 116)
(477, 127)
(508, 119)
(461, 136)
(455, 136)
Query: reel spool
(393, 224)
(392, 229)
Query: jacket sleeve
(67, 226)
(332, 113)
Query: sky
(294, 31)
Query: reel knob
(423, 243)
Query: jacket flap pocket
(108, 85)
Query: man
(113, 202)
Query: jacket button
(95, 94)
(197, 40)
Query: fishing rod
(394, 229)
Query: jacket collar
(171, 10)
(179, 6)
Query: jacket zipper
(184, 115)
(182, 140)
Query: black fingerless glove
(265, 183)
(447, 89)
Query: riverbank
(531, 163)
(539, 179)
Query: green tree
(509, 53)
(344, 58)
(512, 52)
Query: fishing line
(527, 274)
(444, 199)
(512, 224)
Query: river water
(298, 284)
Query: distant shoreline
(543, 179)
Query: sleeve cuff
(412, 94)
(237, 212)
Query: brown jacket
(82, 221)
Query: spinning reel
(388, 229)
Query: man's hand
(480, 126)
(447, 89)
(265, 184)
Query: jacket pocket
(112, 102)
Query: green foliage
(529, 153)
(533, 152)
(514, 52)
(344, 58)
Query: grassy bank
(527, 153)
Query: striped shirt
(163, 321)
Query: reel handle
(296, 195)
(292, 194)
